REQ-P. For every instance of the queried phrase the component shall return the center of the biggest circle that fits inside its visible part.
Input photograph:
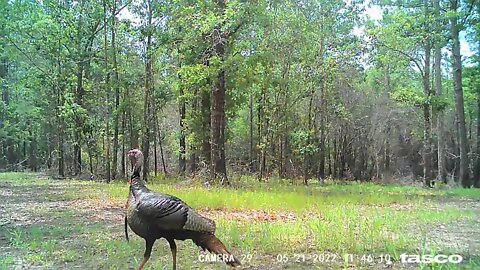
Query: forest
(291, 89)
(292, 134)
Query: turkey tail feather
(214, 245)
(126, 228)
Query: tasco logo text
(454, 258)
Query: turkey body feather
(161, 213)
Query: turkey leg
(173, 248)
(148, 251)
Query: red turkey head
(136, 160)
(136, 156)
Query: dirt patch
(461, 235)
(250, 215)
(101, 209)
(107, 209)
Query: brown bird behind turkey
(154, 215)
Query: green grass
(295, 198)
(280, 198)
(6, 261)
(472, 193)
(339, 230)
(22, 179)
(357, 218)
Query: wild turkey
(153, 215)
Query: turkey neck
(137, 185)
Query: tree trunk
(155, 142)
(32, 152)
(476, 182)
(107, 155)
(90, 161)
(50, 147)
(206, 124)
(251, 156)
(107, 91)
(427, 133)
(308, 163)
(329, 155)
(77, 150)
(8, 145)
(124, 169)
(335, 158)
(477, 165)
(284, 131)
(116, 87)
(456, 148)
(459, 100)
(219, 170)
(193, 155)
(217, 135)
(386, 164)
(79, 91)
(321, 148)
(148, 92)
(343, 153)
(133, 131)
(61, 153)
(261, 135)
(164, 164)
(146, 137)
(59, 121)
(182, 161)
(442, 173)
(160, 144)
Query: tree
(116, 86)
(439, 109)
(463, 177)
(415, 45)
(147, 108)
(88, 26)
(219, 38)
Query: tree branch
(469, 12)
(29, 58)
(234, 30)
(96, 29)
(412, 59)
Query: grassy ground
(71, 224)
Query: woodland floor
(67, 224)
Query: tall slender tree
(439, 110)
(463, 177)
(148, 97)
